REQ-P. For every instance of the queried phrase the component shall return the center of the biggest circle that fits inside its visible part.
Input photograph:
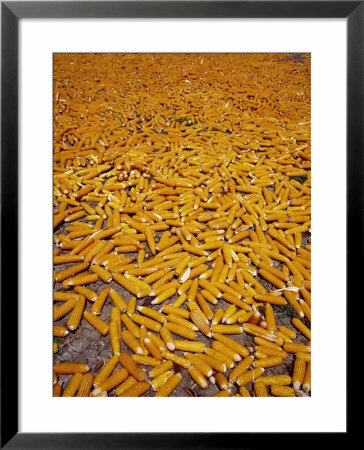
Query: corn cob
(128, 383)
(282, 391)
(66, 368)
(132, 367)
(85, 385)
(106, 370)
(131, 342)
(136, 390)
(161, 368)
(169, 386)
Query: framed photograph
(156, 183)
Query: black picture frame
(11, 12)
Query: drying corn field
(182, 221)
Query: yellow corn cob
(243, 391)
(126, 284)
(166, 294)
(288, 332)
(148, 323)
(305, 356)
(136, 390)
(201, 322)
(190, 346)
(66, 368)
(114, 338)
(128, 383)
(149, 234)
(161, 318)
(272, 279)
(59, 331)
(223, 349)
(291, 298)
(143, 333)
(145, 360)
(270, 298)
(260, 389)
(299, 369)
(294, 348)
(222, 357)
(302, 328)
(231, 343)
(269, 317)
(268, 351)
(241, 368)
(181, 330)
(118, 301)
(80, 280)
(185, 286)
(208, 296)
(132, 367)
(218, 315)
(200, 364)
(101, 326)
(205, 284)
(255, 318)
(198, 377)
(259, 354)
(222, 381)
(65, 308)
(169, 386)
(180, 300)
(217, 364)
(131, 342)
(106, 370)
(137, 281)
(270, 361)
(172, 309)
(176, 359)
(157, 340)
(88, 293)
(76, 315)
(73, 385)
(167, 338)
(250, 376)
(206, 310)
(306, 309)
(130, 325)
(282, 391)
(223, 393)
(226, 329)
(65, 259)
(57, 390)
(104, 275)
(97, 306)
(114, 380)
(70, 272)
(306, 384)
(85, 385)
(259, 332)
(153, 349)
(230, 311)
(161, 368)
(283, 380)
(159, 380)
